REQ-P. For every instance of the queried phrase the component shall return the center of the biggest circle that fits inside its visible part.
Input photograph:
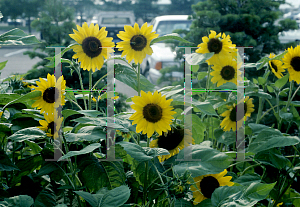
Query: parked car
(114, 21)
(163, 56)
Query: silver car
(163, 56)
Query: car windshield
(115, 20)
(167, 27)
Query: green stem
(75, 104)
(138, 79)
(272, 108)
(81, 85)
(290, 93)
(98, 81)
(294, 95)
(90, 89)
(207, 81)
(146, 177)
(251, 166)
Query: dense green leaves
(5, 163)
(17, 201)
(88, 133)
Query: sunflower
(222, 47)
(233, 122)
(207, 184)
(94, 45)
(291, 61)
(136, 42)
(173, 141)
(50, 93)
(49, 124)
(153, 113)
(276, 66)
(226, 70)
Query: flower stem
(138, 79)
(207, 81)
(90, 89)
(290, 93)
(98, 81)
(81, 85)
(294, 95)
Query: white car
(163, 56)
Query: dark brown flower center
(208, 185)
(138, 42)
(239, 116)
(91, 46)
(214, 45)
(295, 63)
(50, 94)
(171, 140)
(274, 66)
(152, 112)
(51, 127)
(227, 72)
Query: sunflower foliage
(60, 147)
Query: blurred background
(268, 26)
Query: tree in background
(248, 22)
(21, 8)
(181, 7)
(82, 7)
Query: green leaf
(182, 203)
(273, 157)
(5, 163)
(45, 198)
(104, 198)
(17, 37)
(197, 58)
(128, 76)
(270, 138)
(173, 36)
(27, 134)
(261, 63)
(282, 81)
(96, 174)
(257, 128)
(135, 151)
(195, 69)
(19, 201)
(2, 64)
(270, 89)
(88, 133)
(34, 148)
(248, 179)
(85, 150)
(212, 161)
(198, 128)
(25, 97)
(27, 165)
(201, 75)
(225, 137)
(260, 93)
(261, 81)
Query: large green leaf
(85, 150)
(140, 154)
(107, 198)
(204, 107)
(270, 138)
(96, 175)
(27, 165)
(173, 36)
(225, 137)
(240, 196)
(18, 201)
(88, 133)
(198, 128)
(128, 76)
(45, 198)
(273, 157)
(17, 37)
(115, 122)
(5, 163)
(23, 98)
(197, 58)
(30, 133)
(260, 93)
(212, 161)
(282, 81)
